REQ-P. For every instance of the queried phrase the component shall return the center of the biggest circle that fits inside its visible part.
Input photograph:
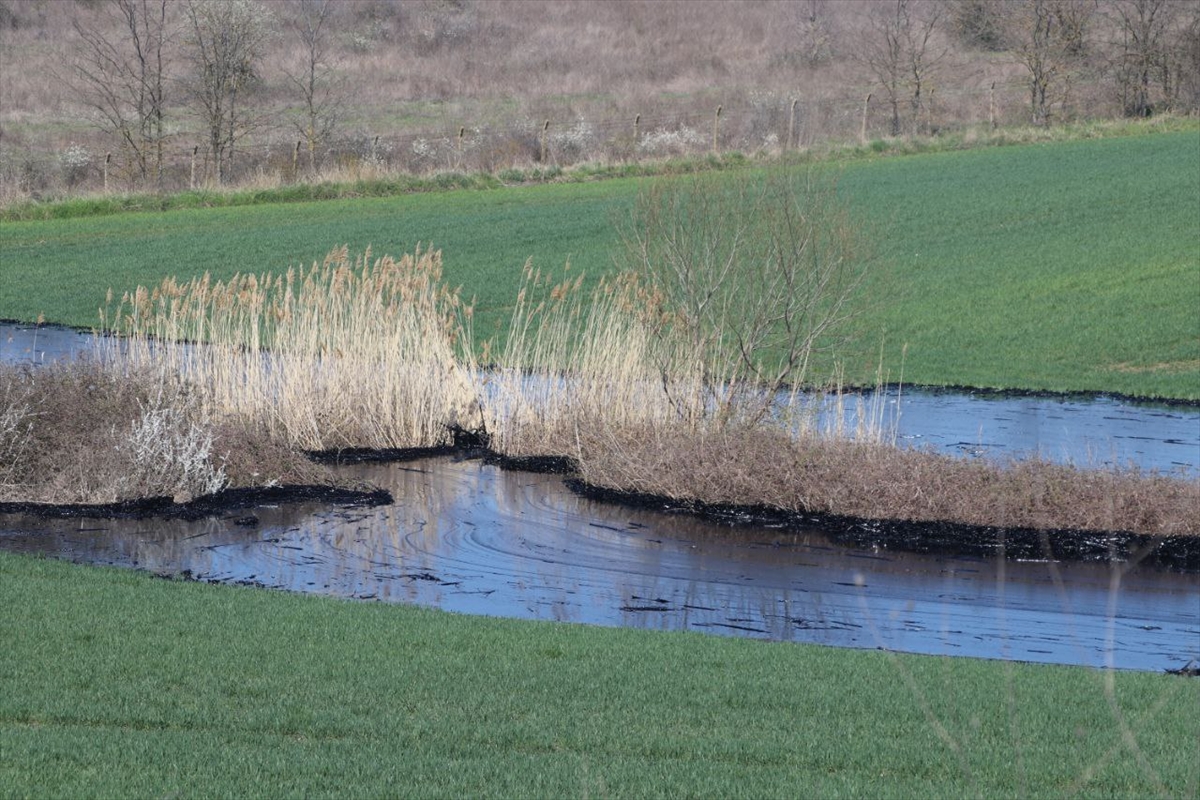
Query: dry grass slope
(468, 86)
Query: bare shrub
(170, 454)
(754, 275)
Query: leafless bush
(84, 432)
(171, 454)
(756, 274)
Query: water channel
(1098, 431)
(468, 537)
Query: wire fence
(748, 123)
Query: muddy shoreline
(213, 505)
(1175, 553)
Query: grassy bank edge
(232, 690)
(405, 183)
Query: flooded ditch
(469, 537)
(1098, 431)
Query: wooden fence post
(296, 160)
(545, 134)
(791, 126)
(107, 160)
(716, 130)
(192, 183)
(862, 133)
(992, 106)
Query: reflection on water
(1095, 432)
(467, 537)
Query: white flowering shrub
(662, 142)
(574, 143)
(427, 154)
(74, 162)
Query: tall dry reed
(354, 352)
(579, 365)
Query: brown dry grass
(83, 432)
(767, 468)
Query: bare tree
(899, 53)
(1180, 71)
(1141, 26)
(978, 24)
(755, 275)
(883, 55)
(1050, 38)
(225, 41)
(123, 80)
(315, 81)
(814, 32)
(920, 58)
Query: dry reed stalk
(601, 362)
(615, 360)
(351, 353)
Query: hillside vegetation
(312, 90)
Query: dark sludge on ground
(990, 393)
(1176, 553)
(219, 504)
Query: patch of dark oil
(469, 537)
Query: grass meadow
(1065, 266)
(120, 684)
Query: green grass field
(115, 683)
(1064, 266)
(1067, 266)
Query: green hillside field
(1061, 266)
